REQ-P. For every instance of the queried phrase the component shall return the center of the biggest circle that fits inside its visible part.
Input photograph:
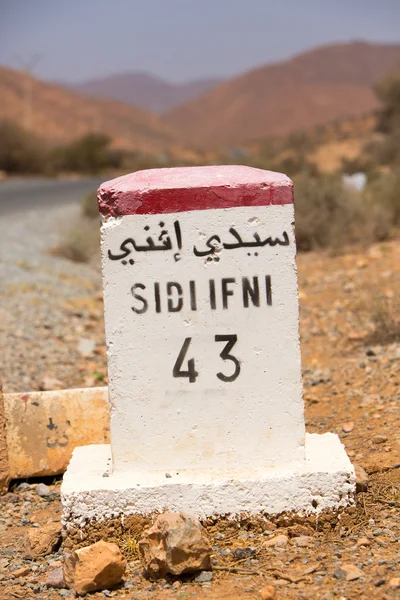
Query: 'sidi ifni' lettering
(220, 294)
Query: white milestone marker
(201, 316)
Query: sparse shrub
(327, 214)
(81, 243)
(20, 150)
(388, 92)
(89, 154)
(89, 206)
(385, 321)
(383, 195)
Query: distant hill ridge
(315, 87)
(59, 116)
(144, 91)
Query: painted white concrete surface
(164, 423)
(325, 480)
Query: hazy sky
(180, 39)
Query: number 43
(191, 372)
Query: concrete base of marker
(325, 481)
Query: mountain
(315, 87)
(145, 91)
(60, 115)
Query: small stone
(43, 490)
(94, 568)
(175, 544)
(86, 346)
(55, 579)
(177, 584)
(370, 352)
(204, 576)
(304, 541)
(364, 542)
(267, 593)
(379, 582)
(348, 572)
(394, 583)
(241, 553)
(43, 541)
(50, 383)
(21, 572)
(339, 574)
(277, 541)
(347, 427)
(24, 486)
(379, 439)
(361, 478)
(298, 530)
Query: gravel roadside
(43, 301)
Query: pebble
(361, 478)
(43, 490)
(379, 439)
(347, 427)
(24, 486)
(241, 553)
(55, 579)
(348, 572)
(304, 541)
(204, 576)
(267, 593)
(50, 383)
(364, 542)
(86, 347)
(277, 541)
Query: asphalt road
(17, 195)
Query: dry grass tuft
(385, 320)
(81, 243)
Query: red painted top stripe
(159, 191)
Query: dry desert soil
(350, 334)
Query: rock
(348, 572)
(379, 439)
(361, 478)
(55, 579)
(176, 544)
(99, 566)
(43, 490)
(277, 540)
(298, 530)
(304, 541)
(50, 383)
(204, 576)
(267, 593)
(24, 486)
(347, 427)
(241, 553)
(364, 542)
(86, 346)
(45, 540)
(22, 572)
(394, 583)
